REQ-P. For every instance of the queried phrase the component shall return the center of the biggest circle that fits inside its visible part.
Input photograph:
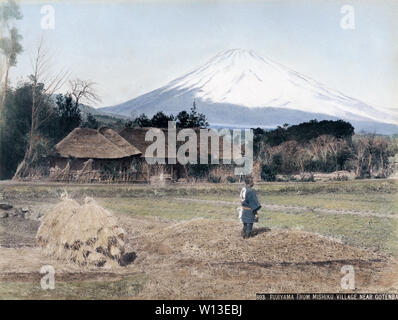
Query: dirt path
(293, 209)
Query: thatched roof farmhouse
(104, 155)
(136, 136)
(90, 155)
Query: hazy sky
(131, 47)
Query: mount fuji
(238, 88)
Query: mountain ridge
(239, 79)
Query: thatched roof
(136, 136)
(103, 143)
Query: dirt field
(188, 244)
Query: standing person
(250, 206)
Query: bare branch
(45, 83)
(83, 91)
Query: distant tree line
(323, 146)
(184, 119)
(305, 131)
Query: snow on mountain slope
(242, 78)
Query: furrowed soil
(192, 248)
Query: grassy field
(378, 197)
(75, 289)
(361, 213)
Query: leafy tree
(128, 124)
(91, 122)
(183, 120)
(277, 136)
(16, 125)
(194, 119)
(258, 141)
(10, 45)
(141, 121)
(161, 120)
(67, 117)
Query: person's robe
(249, 200)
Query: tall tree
(91, 122)
(161, 120)
(14, 132)
(10, 45)
(193, 119)
(67, 118)
(140, 121)
(44, 83)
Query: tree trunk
(1, 148)
(359, 165)
(23, 167)
(3, 99)
(2, 109)
(381, 161)
(370, 166)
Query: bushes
(214, 179)
(198, 171)
(341, 178)
(366, 155)
(307, 177)
(231, 179)
(268, 173)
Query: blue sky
(131, 47)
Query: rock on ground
(3, 214)
(5, 206)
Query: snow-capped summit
(240, 78)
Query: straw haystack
(84, 234)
